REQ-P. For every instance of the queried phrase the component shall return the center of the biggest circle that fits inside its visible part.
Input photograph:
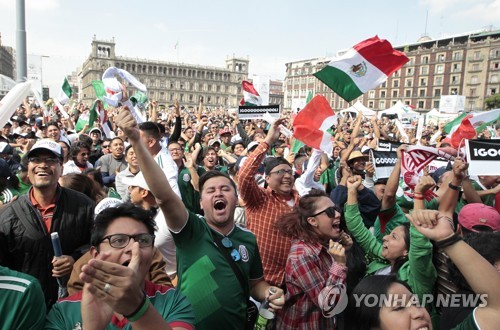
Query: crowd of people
(189, 219)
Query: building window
(371, 94)
(409, 82)
(421, 92)
(437, 92)
(424, 70)
(409, 71)
(477, 55)
(472, 92)
(473, 80)
(384, 84)
(441, 58)
(454, 80)
(382, 93)
(493, 91)
(439, 81)
(457, 56)
(395, 93)
(425, 59)
(370, 104)
(381, 105)
(408, 93)
(420, 104)
(423, 82)
(395, 83)
(440, 69)
(454, 91)
(435, 104)
(456, 67)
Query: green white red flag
(312, 122)
(361, 68)
(250, 94)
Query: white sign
(451, 103)
(261, 84)
(35, 71)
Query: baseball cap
(47, 145)
(136, 181)
(476, 215)
(5, 148)
(212, 142)
(95, 129)
(252, 145)
(107, 203)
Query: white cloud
(486, 12)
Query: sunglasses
(105, 146)
(228, 244)
(330, 212)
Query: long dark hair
(365, 316)
(295, 225)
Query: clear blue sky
(270, 32)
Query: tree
(493, 102)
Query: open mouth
(126, 263)
(423, 328)
(219, 205)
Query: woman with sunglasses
(316, 266)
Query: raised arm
(482, 277)
(392, 185)
(171, 205)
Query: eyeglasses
(330, 211)
(40, 160)
(105, 146)
(228, 244)
(282, 172)
(119, 241)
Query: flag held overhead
(313, 121)
(361, 68)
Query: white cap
(107, 203)
(136, 181)
(48, 145)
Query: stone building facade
(466, 64)
(167, 81)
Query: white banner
(452, 103)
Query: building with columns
(167, 81)
(466, 64)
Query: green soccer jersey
(387, 220)
(22, 304)
(207, 279)
(190, 197)
(169, 302)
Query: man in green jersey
(205, 275)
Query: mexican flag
(313, 121)
(361, 68)
(250, 94)
(297, 144)
(65, 92)
(97, 112)
(470, 125)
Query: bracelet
(418, 198)
(456, 188)
(448, 241)
(140, 311)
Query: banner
(414, 159)
(386, 145)
(383, 162)
(483, 156)
(257, 112)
